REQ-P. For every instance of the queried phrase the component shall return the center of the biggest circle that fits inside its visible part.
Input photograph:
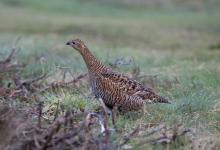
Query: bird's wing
(133, 87)
(129, 85)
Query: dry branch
(40, 105)
(166, 135)
(130, 136)
(7, 66)
(62, 84)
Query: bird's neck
(93, 64)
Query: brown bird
(113, 88)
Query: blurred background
(162, 24)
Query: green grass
(172, 44)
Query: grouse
(113, 88)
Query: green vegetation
(177, 47)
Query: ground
(176, 50)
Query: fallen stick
(130, 136)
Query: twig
(40, 105)
(77, 79)
(164, 139)
(157, 129)
(130, 136)
(6, 66)
(57, 111)
(9, 58)
(27, 82)
(65, 85)
(30, 81)
(50, 135)
(10, 68)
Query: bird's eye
(73, 42)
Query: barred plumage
(115, 89)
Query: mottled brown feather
(114, 88)
(133, 87)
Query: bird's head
(76, 44)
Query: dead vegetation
(84, 131)
(68, 132)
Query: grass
(175, 45)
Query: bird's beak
(68, 43)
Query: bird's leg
(144, 108)
(106, 109)
(106, 112)
(114, 112)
